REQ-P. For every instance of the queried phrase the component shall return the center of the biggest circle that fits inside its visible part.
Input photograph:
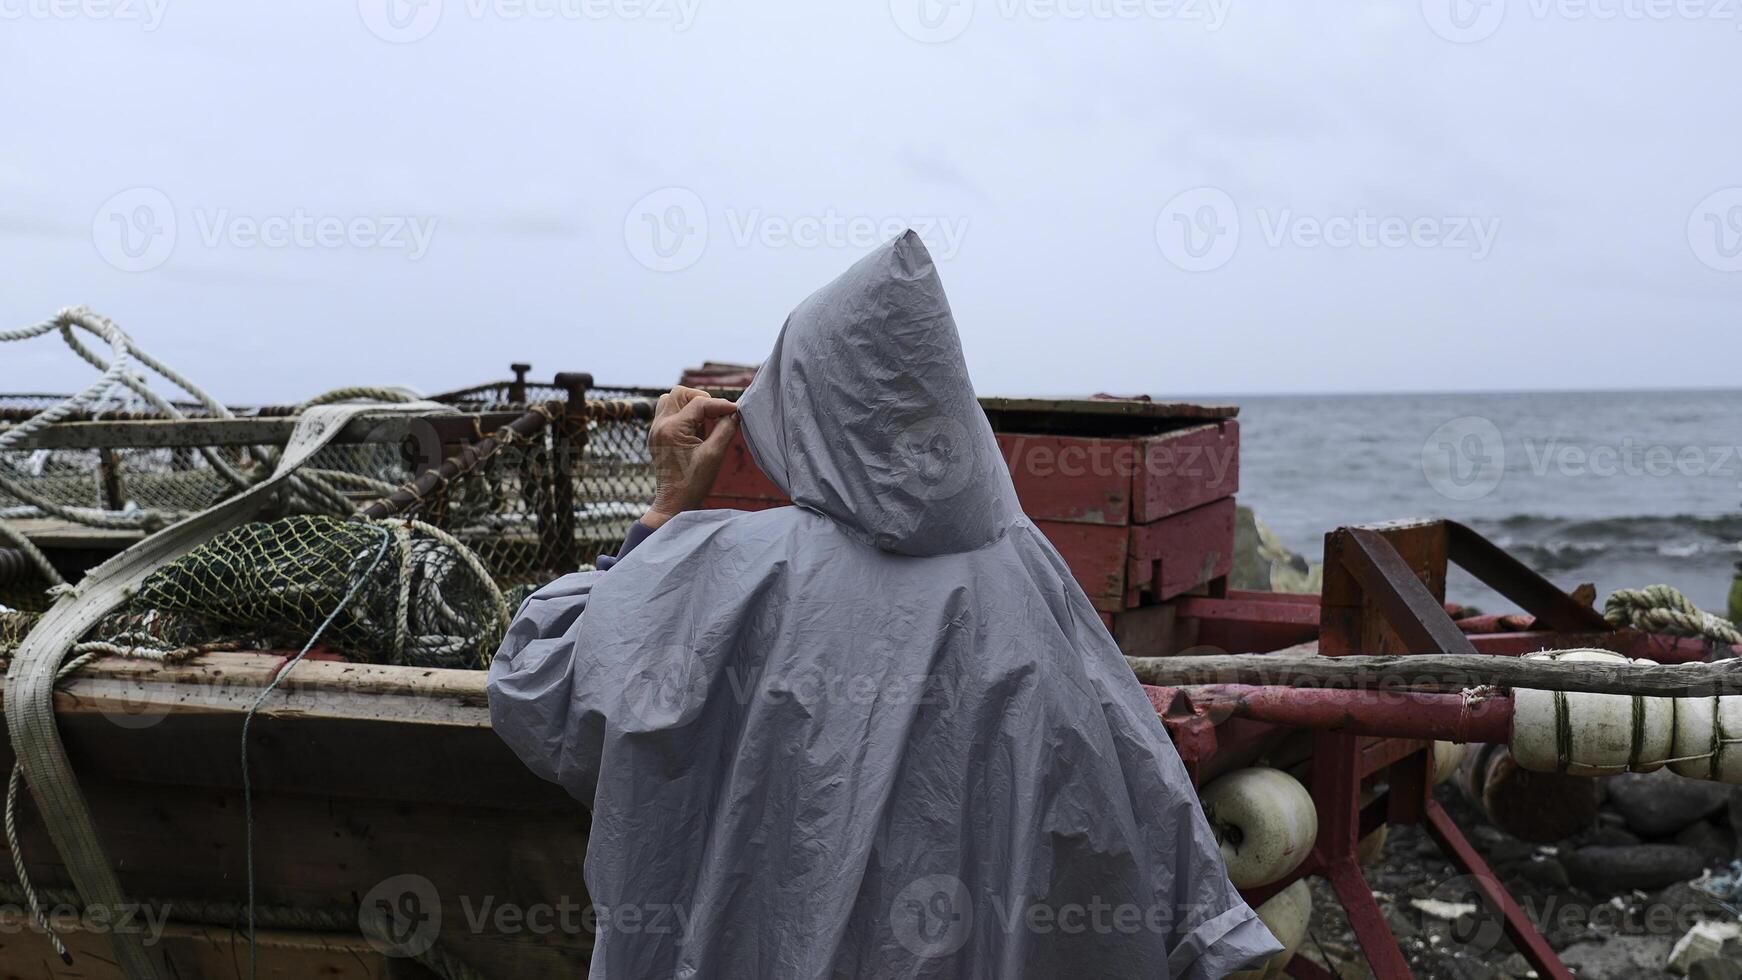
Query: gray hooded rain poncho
(879, 733)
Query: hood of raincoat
(878, 734)
(864, 412)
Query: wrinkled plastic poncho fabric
(880, 733)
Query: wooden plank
(52, 532)
(1186, 469)
(1107, 406)
(1451, 672)
(1153, 631)
(1350, 621)
(227, 683)
(173, 844)
(190, 950)
(1173, 556)
(1096, 554)
(1069, 478)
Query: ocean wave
(1552, 544)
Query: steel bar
(412, 495)
(1444, 672)
(1523, 933)
(1399, 714)
(1493, 567)
(1418, 618)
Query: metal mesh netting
(277, 581)
(542, 505)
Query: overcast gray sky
(1125, 195)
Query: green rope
(1663, 609)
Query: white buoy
(1265, 821)
(1287, 915)
(1590, 734)
(1448, 756)
(1704, 750)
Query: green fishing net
(397, 592)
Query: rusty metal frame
(1388, 587)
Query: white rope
(316, 489)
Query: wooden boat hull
(362, 775)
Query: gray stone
(1716, 843)
(1647, 867)
(1610, 836)
(1545, 871)
(1453, 965)
(1618, 957)
(1688, 902)
(1516, 966)
(1660, 803)
(1715, 968)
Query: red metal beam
(1523, 933)
(1398, 714)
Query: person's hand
(685, 461)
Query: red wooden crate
(1139, 517)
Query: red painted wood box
(1137, 496)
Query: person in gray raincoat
(878, 733)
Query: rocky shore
(1650, 890)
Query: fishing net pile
(398, 592)
(460, 553)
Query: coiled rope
(314, 487)
(1663, 609)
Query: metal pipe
(1396, 714)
